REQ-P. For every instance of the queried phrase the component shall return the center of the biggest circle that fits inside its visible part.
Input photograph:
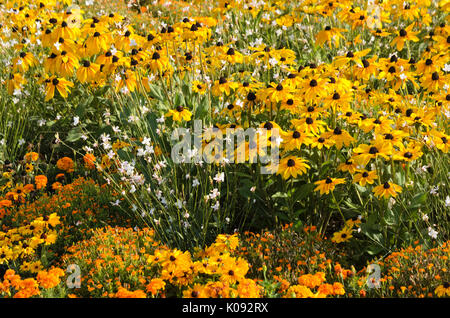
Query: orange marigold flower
(65, 164)
(41, 181)
(155, 285)
(31, 156)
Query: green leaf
(390, 217)
(372, 232)
(303, 191)
(374, 249)
(74, 134)
(418, 200)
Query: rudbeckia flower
(330, 35)
(387, 190)
(365, 177)
(179, 114)
(60, 84)
(328, 184)
(342, 236)
(404, 35)
(364, 153)
(410, 153)
(292, 167)
(87, 71)
(294, 139)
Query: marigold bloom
(65, 164)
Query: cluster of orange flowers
(13, 286)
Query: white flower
(76, 120)
(425, 218)
(215, 207)
(447, 201)
(214, 194)
(57, 45)
(220, 177)
(432, 233)
(179, 204)
(161, 119)
(195, 183)
(434, 190)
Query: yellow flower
(180, 114)
(328, 184)
(342, 236)
(365, 177)
(443, 290)
(387, 190)
(292, 166)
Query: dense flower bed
(339, 187)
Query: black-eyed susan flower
(364, 153)
(199, 87)
(329, 35)
(59, 84)
(292, 167)
(406, 34)
(443, 290)
(294, 139)
(327, 185)
(180, 114)
(387, 190)
(342, 236)
(364, 177)
(87, 71)
(409, 153)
